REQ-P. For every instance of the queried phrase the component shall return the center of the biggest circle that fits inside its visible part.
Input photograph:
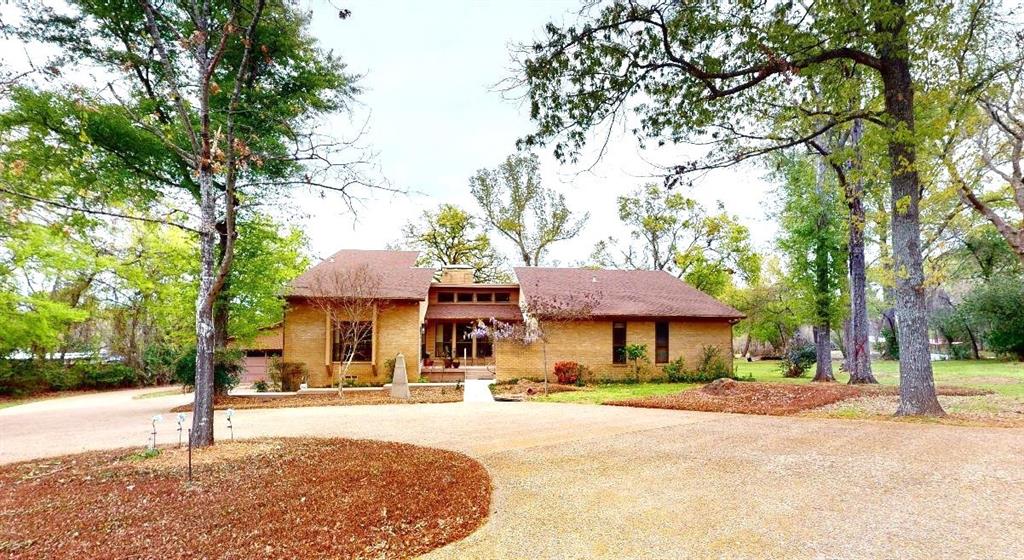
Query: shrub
(274, 373)
(571, 373)
(98, 375)
(799, 356)
(159, 362)
(227, 369)
(292, 375)
(711, 365)
(261, 386)
(675, 371)
(389, 367)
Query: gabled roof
(395, 272)
(623, 293)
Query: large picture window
(618, 343)
(661, 342)
(345, 333)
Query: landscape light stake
(230, 413)
(155, 419)
(190, 456)
(181, 420)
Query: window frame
(338, 353)
(485, 297)
(502, 297)
(445, 297)
(661, 342)
(463, 297)
(618, 350)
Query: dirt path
(583, 481)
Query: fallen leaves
(282, 498)
(775, 399)
(419, 395)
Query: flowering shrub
(570, 373)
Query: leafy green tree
(229, 93)
(739, 75)
(671, 232)
(771, 313)
(450, 235)
(813, 236)
(996, 307)
(518, 206)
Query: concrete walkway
(477, 391)
(582, 481)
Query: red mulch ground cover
(273, 498)
(776, 399)
(419, 395)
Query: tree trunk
(221, 306)
(917, 386)
(974, 343)
(202, 419)
(846, 344)
(860, 352)
(823, 348)
(202, 415)
(746, 347)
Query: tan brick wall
(306, 340)
(590, 343)
(398, 330)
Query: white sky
(435, 118)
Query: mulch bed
(525, 388)
(271, 498)
(776, 399)
(418, 396)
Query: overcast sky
(429, 71)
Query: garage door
(255, 369)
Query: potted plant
(427, 361)
(447, 360)
(455, 364)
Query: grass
(1003, 378)
(161, 393)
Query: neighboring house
(434, 323)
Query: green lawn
(1005, 378)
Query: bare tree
(517, 205)
(351, 300)
(541, 315)
(995, 155)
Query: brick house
(432, 319)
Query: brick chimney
(456, 274)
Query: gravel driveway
(582, 481)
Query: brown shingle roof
(395, 271)
(469, 311)
(623, 293)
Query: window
(503, 297)
(618, 343)
(445, 297)
(661, 343)
(463, 341)
(484, 296)
(464, 296)
(443, 341)
(345, 332)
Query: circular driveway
(583, 481)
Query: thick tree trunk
(823, 350)
(917, 386)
